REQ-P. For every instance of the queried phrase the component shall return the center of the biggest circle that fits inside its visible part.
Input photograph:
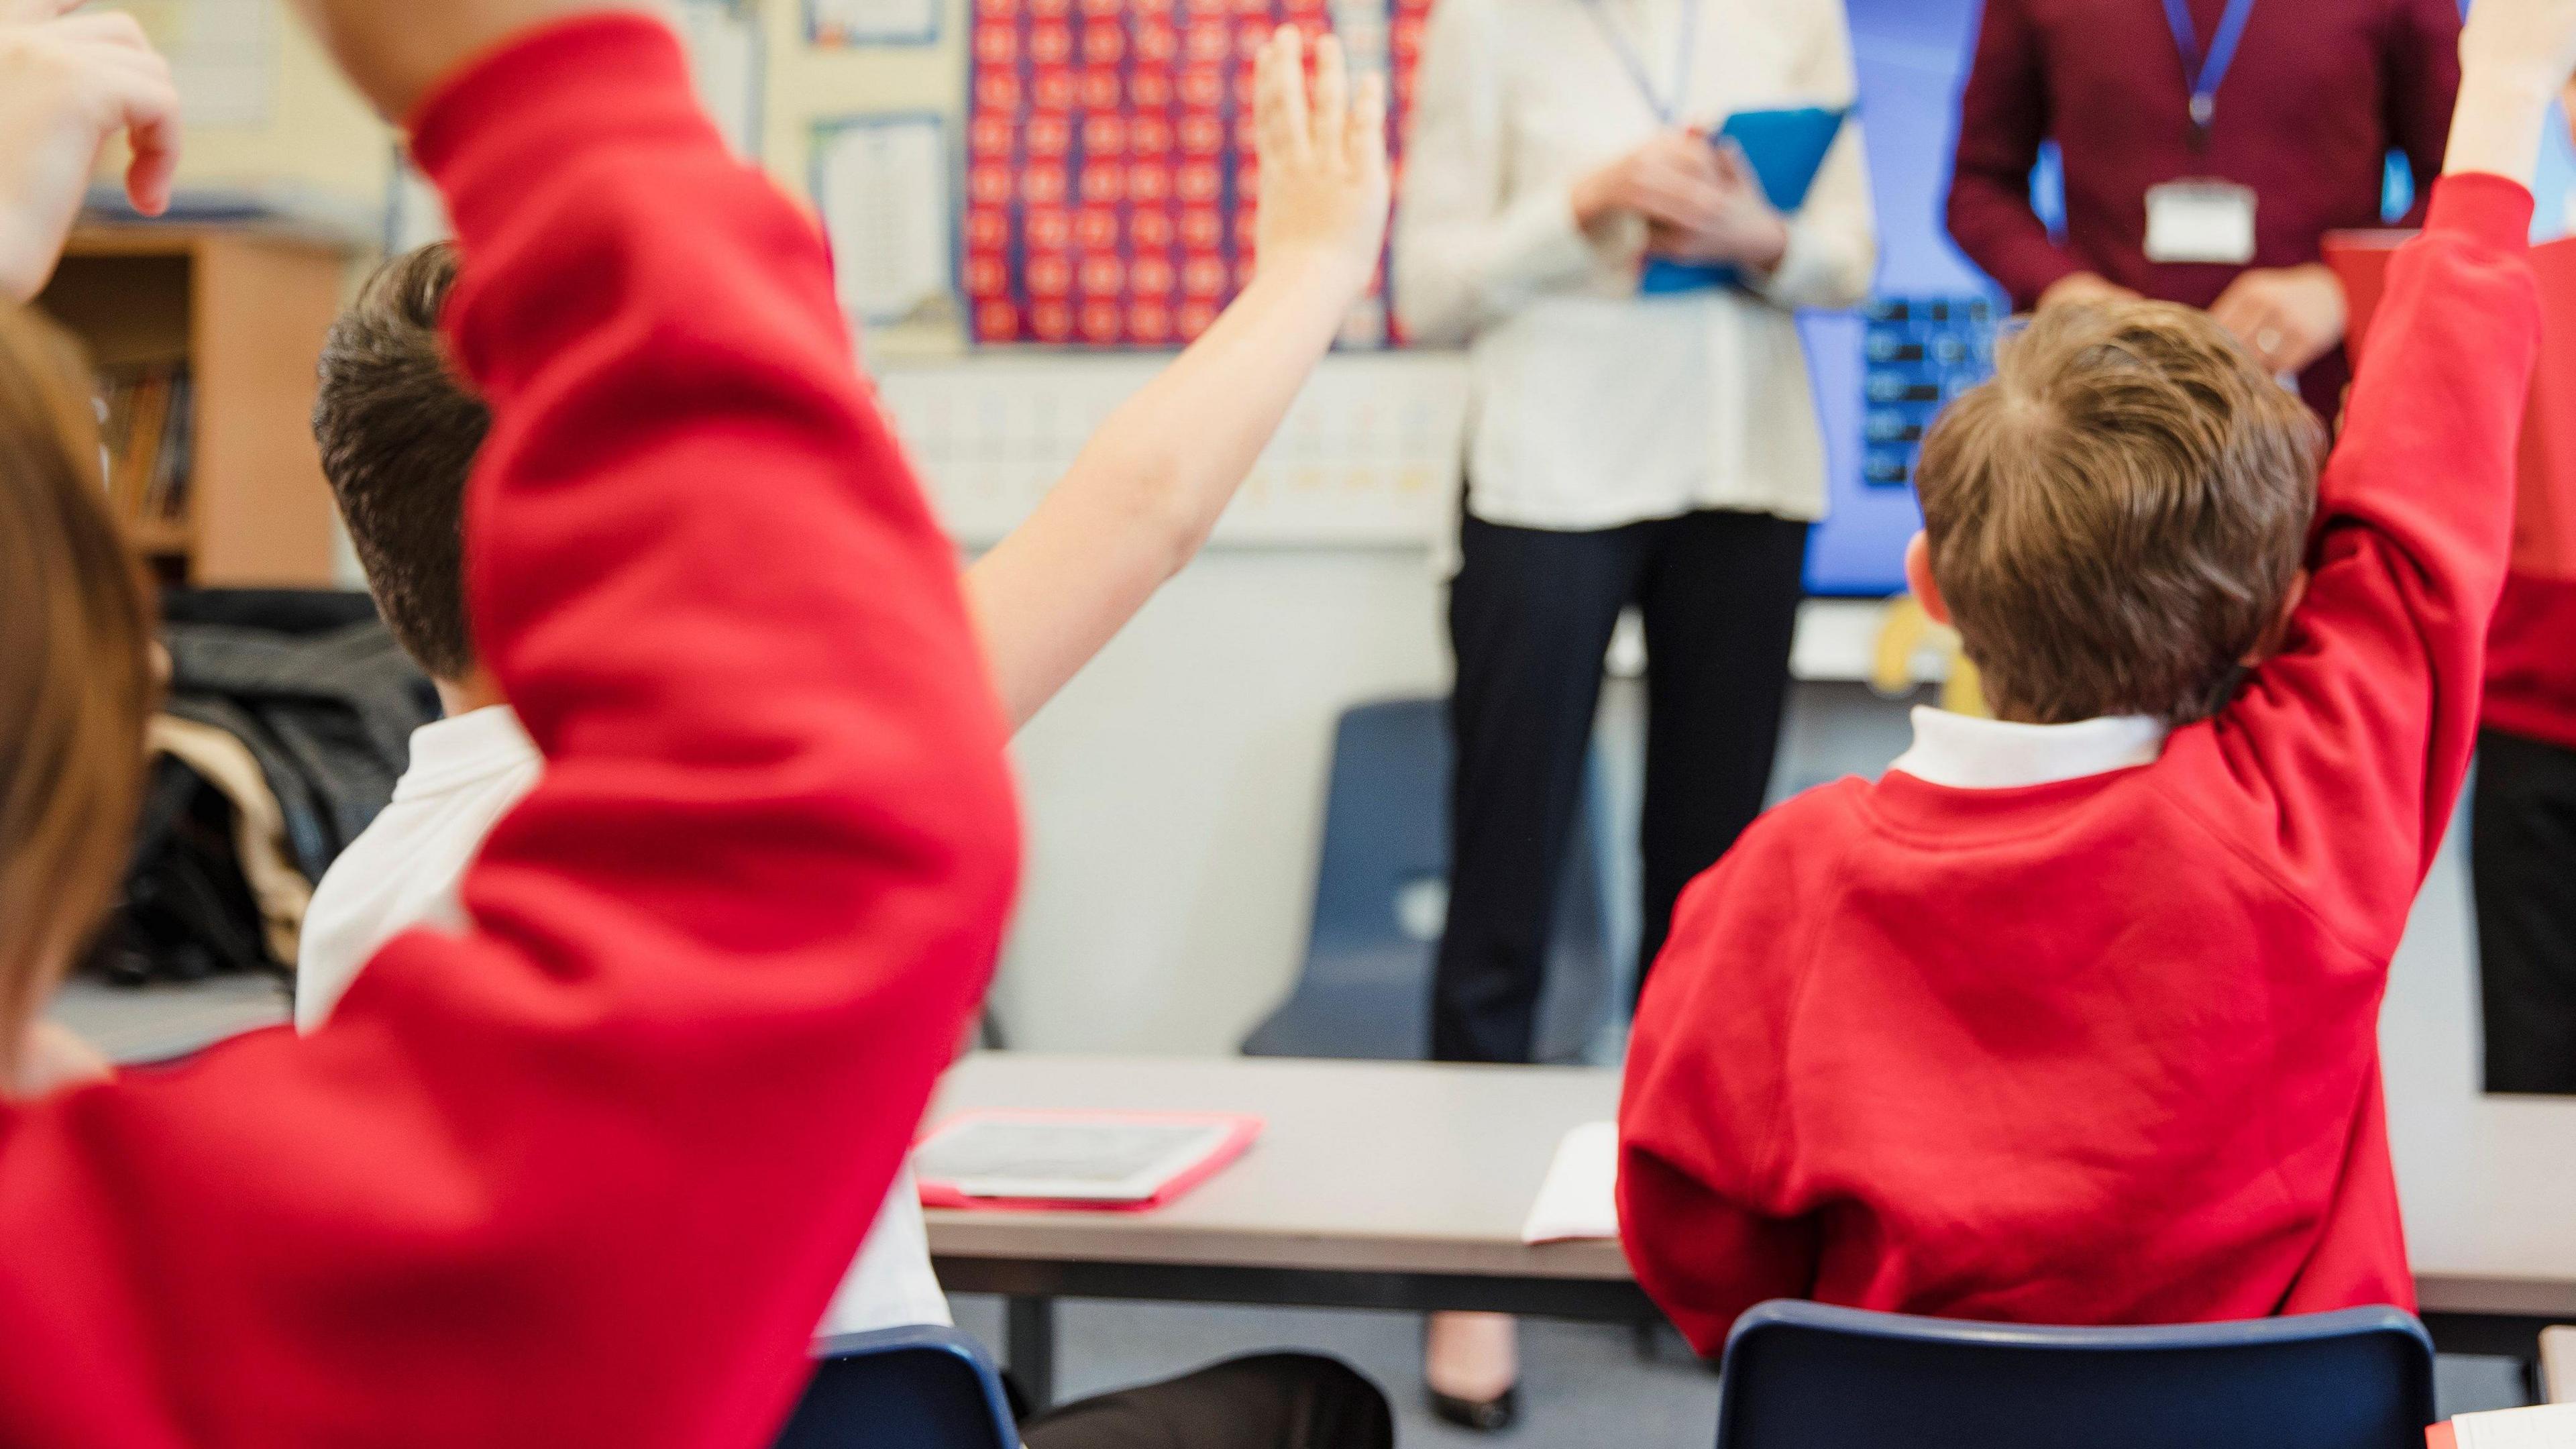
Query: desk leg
(1028, 1326)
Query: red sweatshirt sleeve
(2003, 118)
(587, 1173)
(2423, 79)
(2338, 765)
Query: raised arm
(2373, 702)
(587, 1173)
(1149, 487)
(2003, 118)
(67, 87)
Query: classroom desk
(1387, 1185)
(1391, 1185)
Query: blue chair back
(1381, 896)
(1818, 1377)
(902, 1388)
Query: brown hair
(76, 678)
(399, 430)
(2117, 517)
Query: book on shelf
(148, 427)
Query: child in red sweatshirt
(585, 1171)
(2071, 1017)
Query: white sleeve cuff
(1536, 242)
(1811, 273)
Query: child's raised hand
(2515, 57)
(67, 87)
(2531, 38)
(397, 53)
(1324, 190)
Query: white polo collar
(1965, 753)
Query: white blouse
(1593, 406)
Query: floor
(1583, 1385)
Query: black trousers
(1530, 616)
(1276, 1401)
(2522, 858)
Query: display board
(1111, 181)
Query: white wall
(1176, 791)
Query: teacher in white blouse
(1656, 451)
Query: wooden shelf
(245, 308)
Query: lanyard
(2205, 73)
(1665, 110)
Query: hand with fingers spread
(1745, 230)
(67, 87)
(1324, 188)
(1673, 181)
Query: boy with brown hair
(2072, 1017)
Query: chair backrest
(902, 1388)
(1381, 898)
(1819, 1377)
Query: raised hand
(2515, 56)
(67, 87)
(1324, 189)
(395, 53)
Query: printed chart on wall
(883, 184)
(1111, 177)
(224, 55)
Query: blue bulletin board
(1881, 373)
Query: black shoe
(1485, 1416)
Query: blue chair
(1381, 898)
(1818, 1377)
(902, 1388)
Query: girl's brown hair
(76, 677)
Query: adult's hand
(68, 86)
(2078, 289)
(2288, 317)
(1672, 181)
(1744, 231)
(395, 53)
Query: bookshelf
(205, 339)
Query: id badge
(2200, 221)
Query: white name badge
(2200, 221)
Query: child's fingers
(1287, 58)
(1367, 136)
(1270, 105)
(1332, 97)
(147, 105)
(105, 27)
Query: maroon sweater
(2320, 93)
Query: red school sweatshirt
(586, 1173)
(2104, 1051)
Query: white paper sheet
(724, 57)
(2551, 1426)
(1580, 1199)
(883, 186)
(224, 55)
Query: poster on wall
(224, 56)
(872, 22)
(882, 183)
(1111, 181)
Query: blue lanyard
(1665, 110)
(2206, 73)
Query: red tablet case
(1241, 1132)
(2544, 525)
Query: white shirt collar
(466, 749)
(1989, 754)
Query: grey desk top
(1373, 1167)
(156, 1023)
